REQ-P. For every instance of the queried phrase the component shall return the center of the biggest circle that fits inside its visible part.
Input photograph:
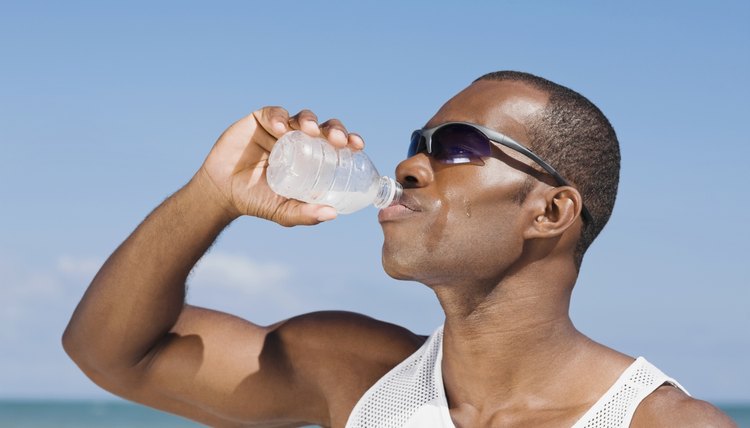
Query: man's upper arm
(670, 407)
(225, 371)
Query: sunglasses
(464, 142)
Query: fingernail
(279, 127)
(326, 213)
(311, 126)
(335, 133)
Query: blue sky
(105, 110)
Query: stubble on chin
(398, 262)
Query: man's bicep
(214, 365)
(224, 371)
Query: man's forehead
(501, 105)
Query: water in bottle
(310, 169)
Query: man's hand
(236, 166)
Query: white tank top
(412, 395)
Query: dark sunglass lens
(417, 144)
(459, 143)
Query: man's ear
(560, 209)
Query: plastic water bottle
(310, 169)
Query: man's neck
(502, 343)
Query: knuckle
(333, 124)
(308, 114)
(275, 112)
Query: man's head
(574, 136)
(485, 219)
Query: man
(496, 231)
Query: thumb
(293, 212)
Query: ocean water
(85, 414)
(117, 414)
(740, 414)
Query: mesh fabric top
(412, 395)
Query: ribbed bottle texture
(309, 169)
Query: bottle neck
(389, 192)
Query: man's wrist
(205, 191)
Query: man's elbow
(71, 344)
(85, 352)
(75, 346)
(103, 372)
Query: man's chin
(398, 275)
(396, 270)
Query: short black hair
(575, 137)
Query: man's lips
(409, 201)
(406, 206)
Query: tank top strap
(616, 407)
(407, 389)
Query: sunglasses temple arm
(506, 141)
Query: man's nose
(415, 172)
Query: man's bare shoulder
(334, 344)
(349, 333)
(670, 407)
(343, 353)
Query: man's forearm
(138, 294)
